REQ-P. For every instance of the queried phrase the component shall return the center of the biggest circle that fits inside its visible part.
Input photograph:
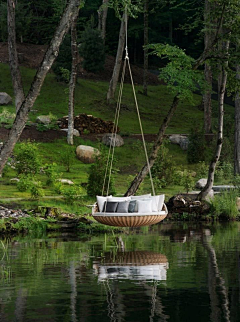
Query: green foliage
(29, 183)
(196, 147)
(25, 182)
(92, 50)
(27, 158)
(164, 168)
(178, 73)
(63, 63)
(224, 171)
(72, 194)
(51, 173)
(224, 205)
(30, 224)
(187, 180)
(97, 176)
(7, 118)
(67, 157)
(36, 190)
(50, 126)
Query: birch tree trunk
(68, 16)
(13, 57)
(237, 130)
(72, 83)
(222, 88)
(102, 19)
(207, 99)
(145, 51)
(118, 61)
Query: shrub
(67, 157)
(71, 194)
(164, 168)
(7, 117)
(196, 147)
(51, 173)
(27, 158)
(92, 50)
(96, 177)
(224, 205)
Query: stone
(75, 132)
(113, 140)
(65, 181)
(181, 140)
(201, 183)
(5, 99)
(15, 180)
(87, 154)
(221, 188)
(43, 119)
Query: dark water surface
(171, 272)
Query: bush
(96, 177)
(92, 50)
(196, 147)
(163, 169)
(67, 157)
(224, 205)
(71, 194)
(51, 173)
(27, 158)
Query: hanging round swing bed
(131, 211)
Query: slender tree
(68, 16)
(13, 56)
(72, 82)
(145, 51)
(118, 60)
(237, 129)
(102, 18)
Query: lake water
(168, 272)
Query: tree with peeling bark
(72, 82)
(13, 56)
(68, 16)
(102, 19)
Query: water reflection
(132, 265)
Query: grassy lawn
(91, 99)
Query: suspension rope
(116, 119)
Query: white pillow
(155, 203)
(101, 200)
(160, 202)
(144, 205)
(140, 197)
(119, 198)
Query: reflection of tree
(217, 290)
(72, 276)
(116, 309)
(20, 304)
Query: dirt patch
(30, 132)
(32, 55)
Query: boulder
(75, 132)
(43, 119)
(87, 154)
(180, 139)
(201, 183)
(14, 180)
(65, 181)
(5, 99)
(113, 140)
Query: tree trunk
(13, 57)
(207, 99)
(68, 16)
(237, 130)
(145, 51)
(222, 88)
(142, 174)
(118, 61)
(73, 80)
(102, 18)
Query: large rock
(201, 183)
(179, 139)
(5, 99)
(43, 119)
(87, 154)
(75, 132)
(113, 140)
